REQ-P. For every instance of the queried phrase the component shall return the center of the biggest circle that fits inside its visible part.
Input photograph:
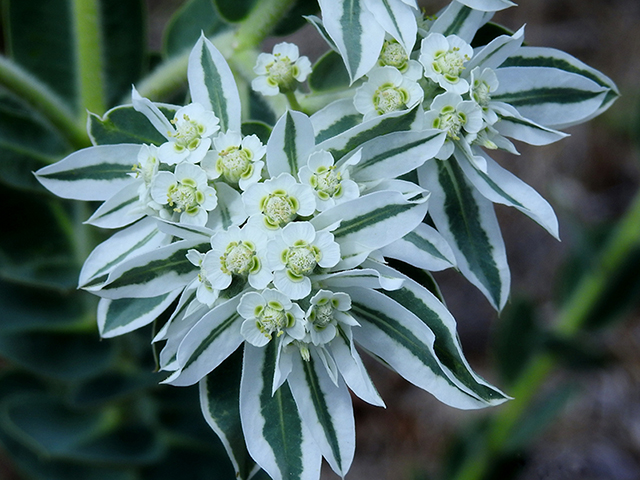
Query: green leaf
(458, 19)
(234, 10)
(290, 143)
(220, 403)
(259, 129)
(125, 125)
(294, 19)
(192, 18)
(468, 223)
(489, 32)
(329, 74)
(63, 356)
(334, 119)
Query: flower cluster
(278, 246)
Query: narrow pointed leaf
(328, 74)
(290, 143)
(458, 19)
(122, 209)
(276, 437)
(424, 248)
(398, 20)
(93, 173)
(212, 84)
(497, 51)
(488, 5)
(514, 125)
(334, 119)
(326, 409)
(501, 186)
(117, 317)
(220, 404)
(124, 124)
(468, 223)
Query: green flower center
(281, 73)
(321, 315)
(273, 318)
(185, 196)
(389, 98)
(239, 259)
(300, 259)
(449, 64)
(187, 134)
(481, 93)
(234, 163)
(279, 209)
(451, 121)
(326, 182)
(393, 55)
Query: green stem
(571, 318)
(44, 100)
(293, 101)
(260, 23)
(86, 19)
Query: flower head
(281, 70)
(326, 311)
(443, 59)
(235, 159)
(205, 292)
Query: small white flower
(235, 159)
(326, 311)
(393, 55)
(330, 184)
(269, 313)
(189, 140)
(443, 59)
(483, 84)
(185, 192)
(279, 200)
(240, 253)
(205, 292)
(146, 168)
(461, 119)
(281, 70)
(386, 90)
(295, 254)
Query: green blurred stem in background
(572, 317)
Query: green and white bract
(283, 259)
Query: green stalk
(44, 100)
(260, 23)
(89, 56)
(625, 238)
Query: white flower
(240, 253)
(483, 84)
(269, 313)
(443, 59)
(189, 139)
(393, 55)
(455, 116)
(386, 90)
(330, 184)
(326, 311)
(295, 254)
(205, 292)
(185, 192)
(279, 200)
(236, 159)
(281, 70)
(146, 168)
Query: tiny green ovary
(235, 163)
(389, 98)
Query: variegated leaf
(290, 143)
(122, 209)
(325, 408)
(220, 404)
(395, 154)
(153, 273)
(397, 18)
(93, 173)
(276, 437)
(355, 32)
(468, 223)
(212, 84)
(230, 209)
(549, 96)
(488, 5)
(424, 248)
(501, 186)
(402, 340)
(208, 343)
(422, 303)
(496, 52)
(135, 240)
(124, 315)
(458, 19)
(334, 119)
(359, 277)
(351, 139)
(514, 125)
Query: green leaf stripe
(523, 122)
(99, 171)
(209, 339)
(125, 125)
(123, 311)
(458, 21)
(463, 215)
(400, 334)
(352, 33)
(177, 264)
(283, 427)
(321, 408)
(445, 346)
(552, 62)
(425, 245)
(118, 207)
(354, 225)
(391, 153)
(342, 125)
(290, 149)
(215, 89)
(537, 96)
